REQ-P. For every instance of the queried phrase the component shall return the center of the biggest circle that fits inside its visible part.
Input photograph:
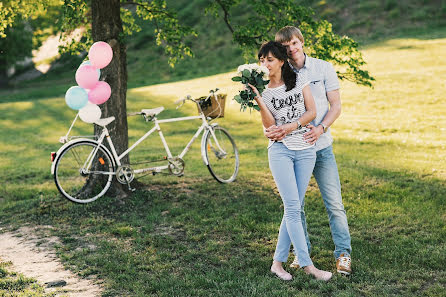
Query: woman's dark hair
(279, 52)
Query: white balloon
(90, 113)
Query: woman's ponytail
(288, 76)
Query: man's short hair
(287, 33)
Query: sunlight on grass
(399, 124)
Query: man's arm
(334, 98)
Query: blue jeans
(292, 172)
(327, 177)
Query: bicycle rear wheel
(80, 184)
(221, 155)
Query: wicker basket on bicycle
(213, 108)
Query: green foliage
(23, 27)
(12, 9)
(16, 46)
(168, 31)
(75, 15)
(321, 42)
(266, 18)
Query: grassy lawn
(191, 236)
(14, 284)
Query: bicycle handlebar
(180, 102)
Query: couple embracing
(300, 103)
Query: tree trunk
(107, 27)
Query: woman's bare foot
(278, 270)
(317, 273)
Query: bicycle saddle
(104, 122)
(152, 112)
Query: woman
(287, 102)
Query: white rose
(264, 70)
(241, 68)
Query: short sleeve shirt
(287, 107)
(322, 78)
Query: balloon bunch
(90, 90)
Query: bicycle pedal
(130, 188)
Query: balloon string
(72, 124)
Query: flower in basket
(255, 75)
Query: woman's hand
(254, 89)
(279, 133)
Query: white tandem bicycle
(84, 168)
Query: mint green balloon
(76, 98)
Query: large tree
(111, 20)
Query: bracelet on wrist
(299, 126)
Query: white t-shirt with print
(287, 107)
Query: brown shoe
(295, 263)
(344, 264)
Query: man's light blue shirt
(323, 79)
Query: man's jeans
(292, 172)
(327, 177)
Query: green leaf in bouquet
(236, 78)
(259, 81)
(246, 73)
(238, 98)
(244, 95)
(244, 80)
(265, 82)
(256, 107)
(250, 104)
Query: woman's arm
(267, 117)
(310, 107)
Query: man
(324, 86)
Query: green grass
(18, 285)
(191, 236)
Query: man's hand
(313, 135)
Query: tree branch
(225, 18)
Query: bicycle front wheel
(83, 172)
(221, 155)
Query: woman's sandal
(282, 275)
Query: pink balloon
(87, 76)
(100, 93)
(100, 54)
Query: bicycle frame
(118, 158)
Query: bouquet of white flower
(255, 75)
